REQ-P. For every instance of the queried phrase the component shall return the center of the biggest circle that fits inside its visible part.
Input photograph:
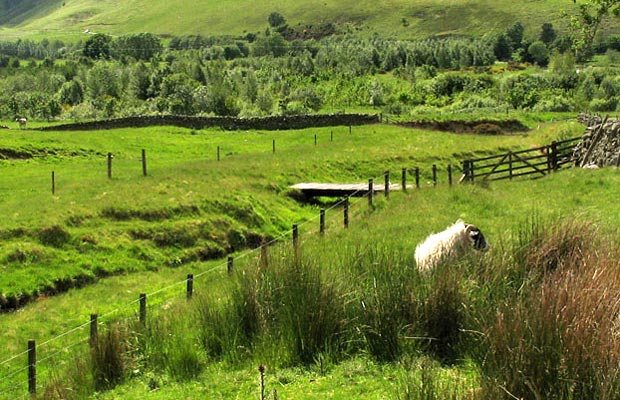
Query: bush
(604, 105)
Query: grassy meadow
(134, 234)
(421, 18)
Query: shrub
(604, 105)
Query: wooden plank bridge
(313, 189)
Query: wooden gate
(535, 162)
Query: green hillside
(403, 18)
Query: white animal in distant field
(22, 122)
(454, 241)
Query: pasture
(420, 18)
(186, 186)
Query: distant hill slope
(401, 18)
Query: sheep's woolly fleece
(451, 242)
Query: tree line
(276, 73)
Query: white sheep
(22, 122)
(452, 242)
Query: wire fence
(16, 371)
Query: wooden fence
(534, 162)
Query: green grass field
(252, 181)
(420, 18)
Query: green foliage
(547, 34)
(140, 46)
(97, 46)
(539, 53)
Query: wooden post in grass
(417, 177)
(386, 186)
(93, 330)
(295, 236)
(263, 261)
(403, 179)
(371, 192)
(110, 165)
(322, 221)
(53, 183)
(190, 286)
(346, 212)
(434, 175)
(450, 174)
(143, 308)
(465, 177)
(32, 368)
(273, 146)
(229, 265)
(218, 153)
(144, 162)
(349, 129)
(315, 139)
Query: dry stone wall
(600, 144)
(227, 123)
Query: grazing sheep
(452, 242)
(22, 122)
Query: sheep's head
(476, 237)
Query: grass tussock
(557, 337)
(109, 358)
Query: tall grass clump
(423, 378)
(284, 310)
(387, 303)
(168, 343)
(109, 358)
(556, 336)
(443, 316)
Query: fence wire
(14, 376)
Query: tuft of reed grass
(423, 378)
(109, 358)
(169, 344)
(557, 337)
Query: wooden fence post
(273, 146)
(218, 153)
(32, 368)
(331, 136)
(295, 235)
(510, 165)
(386, 186)
(552, 152)
(434, 175)
(403, 179)
(144, 162)
(371, 192)
(349, 129)
(53, 183)
(417, 177)
(190, 286)
(230, 265)
(450, 174)
(143, 308)
(322, 221)
(346, 212)
(264, 256)
(315, 139)
(93, 330)
(110, 156)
